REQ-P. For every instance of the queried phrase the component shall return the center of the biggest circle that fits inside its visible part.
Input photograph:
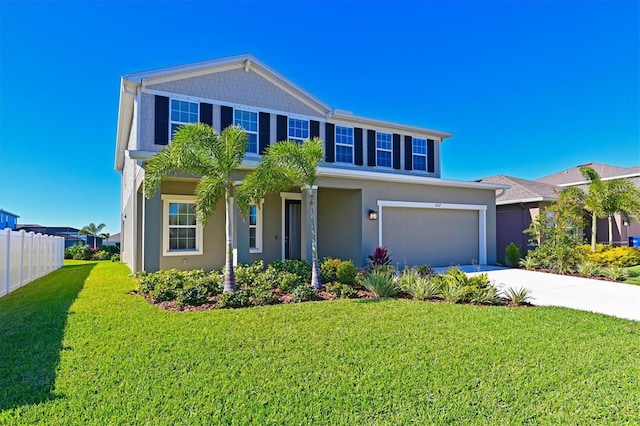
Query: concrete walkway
(615, 299)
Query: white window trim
(259, 214)
(289, 137)
(180, 123)
(335, 138)
(166, 199)
(480, 208)
(257, 132)
(426, 146)
(384, 150)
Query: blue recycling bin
(634, 241)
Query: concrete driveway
(618, 300)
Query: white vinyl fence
(25, 256)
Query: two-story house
(379, 182)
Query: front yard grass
(634, 275)
(77, 348)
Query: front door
(292, 229)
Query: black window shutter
(408, 153)
(357, 146)
(264, 124)
(330, 144)
(281, 128)
(226, 117)
(430, 156)
(371, 148)
(314, 129)
(206, 113)
(161, 136)
(396, 151)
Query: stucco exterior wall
(339, 223)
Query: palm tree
(621, 196)
(105, 236)
(594, 202)
(284, 165)
(91, 230)
(197, 148)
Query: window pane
(252, 143)
(253, 215)
(252, 237)
(383, 158)
(419, 162)
(344, 154)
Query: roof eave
(125, 119)
(388, 124)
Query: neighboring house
(113, 240)
(379, 182)
(622, 229)
(8, 220)
(71, 236)
(517, 207)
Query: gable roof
(572, 176)
(131, 84)
(9, 213)
(522, 190)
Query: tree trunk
(594, 223)
(610, 219)
(315, 268)
(229, 278)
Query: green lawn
(77, 348)
(634, 275)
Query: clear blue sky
(527, 88)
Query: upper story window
(344, 144)
(419, 153)
(182, 112)
(248, 120)
(384, 149)
(298, 129)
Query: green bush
(347, 272)
(235, 299)
(380, 282)
(457, 287)
(329, 269)
(115, 257)
(193, 296)
(110, 249)
(79, 251)
(589, 269)
(248, 275)
(163, 291)
(407, 279)
(425, 270)
(615, 273)
(531, 262)
(513, 254)
(424, 288)
(289, 281)
(517, 296)
(301, 268)
(101, 255)
(303, 293)
(262, 295)
(341, 290)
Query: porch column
(240, 235)
(306, 228)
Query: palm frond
(209, 191)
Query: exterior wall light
(373, 215)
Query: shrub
(301, 268)
(425, 270)
(163, 291)
(101, 255)
(589, 269)
(79, 251)
(485, 296)
(303, 293)
(379, 259)
(457, 287)
(263, 294)
(530, 262)
(235, 299)
(606, 255)
(454, 293)
(424, 288)
(380, 283)
(115, 257)
(341, 290)
(513, 254)
(347, 272)
(407, 279)
(110, 249)
(289, 281)
(517, 296)
(248, 275)
(329, 270)
(615, 273)
(193, 296)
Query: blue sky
(527, 88)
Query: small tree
(91, 230)
(198, 149)
(621, 196)
(284, 165)
(105, 236)
(557, 231)
(594, 202)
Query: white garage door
(437, 237)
